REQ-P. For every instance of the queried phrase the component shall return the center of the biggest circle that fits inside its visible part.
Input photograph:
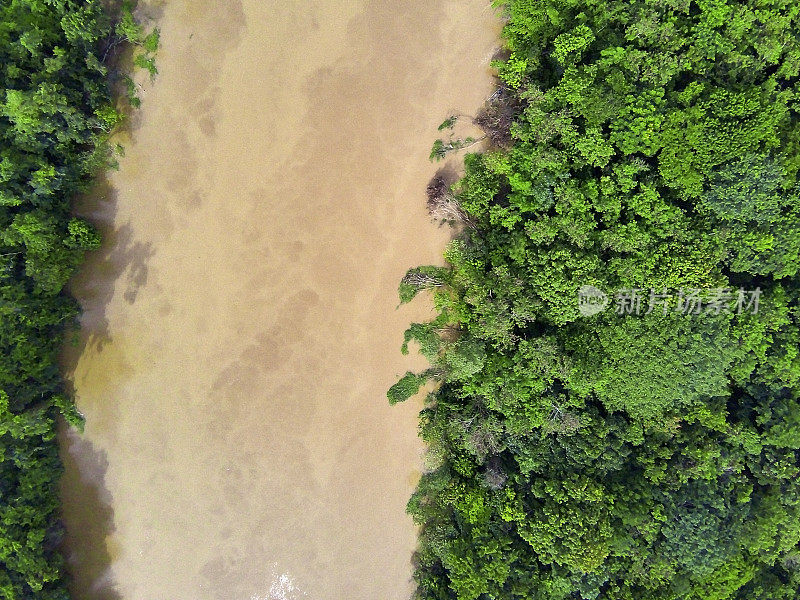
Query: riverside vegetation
(650, 144)
(56, 116)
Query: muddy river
(240, 325)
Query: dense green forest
(56, 114)
(647, 150)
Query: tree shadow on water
(119, 264)
(88, 517)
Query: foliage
(420, 278)
(441, 149)
(408, 385)
(449, 122)
(650, 144)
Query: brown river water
(241, 323)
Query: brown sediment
(240, 328)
